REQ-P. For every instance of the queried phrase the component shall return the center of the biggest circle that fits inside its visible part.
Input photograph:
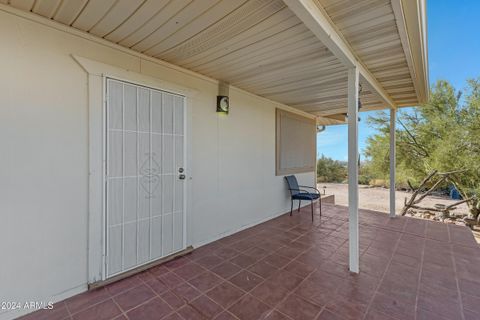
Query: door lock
(180, 170)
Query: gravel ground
(375, 198)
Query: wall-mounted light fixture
(320, 128)
(223, 103)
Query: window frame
(279, 170)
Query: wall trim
(97, 68)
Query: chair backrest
(292, 184)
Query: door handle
(181, 176)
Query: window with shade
(295, 143)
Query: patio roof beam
(354, 260)
(317, 20)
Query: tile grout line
(273, 308)
(175, 310)
(301, 282)
(124, 313)
(421, 270)
(241, 270)
(229, 282)
(109, 296)
(237, 287)
(137, 306)
(119, 308)
(68, 311)
(460, 298)
(156, 295)
(369, 305)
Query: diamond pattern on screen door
(144, 196)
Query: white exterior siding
(44, 132)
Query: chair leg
(320, 205)
(299, 202)
(291, 207)
(311, 205)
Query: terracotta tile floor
(291, 268)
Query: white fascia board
(402, 31)
(319, 23)
(399, 14)
(413, 13)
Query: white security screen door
(145, 213)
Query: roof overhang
(412, 24)
(295, 52)
(317, 20)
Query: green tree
(329, 170)
(443, 134)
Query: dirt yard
(375, 198)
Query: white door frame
(97, 73)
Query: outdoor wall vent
(223, 103)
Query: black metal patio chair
(296, 193)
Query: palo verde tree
(442, 135)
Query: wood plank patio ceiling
(370, 28)
(257, 45)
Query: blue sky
(454, 55)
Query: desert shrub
(329, 170)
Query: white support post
(393, 116)
(353, 76)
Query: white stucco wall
(44, 158)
